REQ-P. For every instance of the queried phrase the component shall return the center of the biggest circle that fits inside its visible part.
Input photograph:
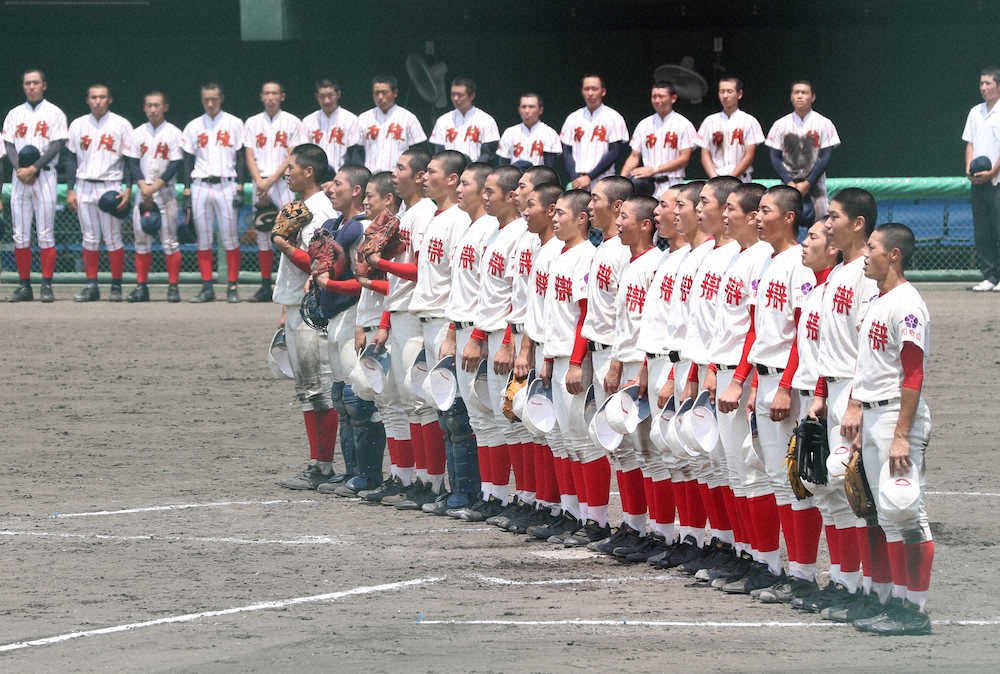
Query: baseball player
(154, 155)
(532, 142)
(593, 137)
(462, 310)
(819, 256)
(212, 144)
(744, 473)
(729, 138)
(661, 143)
(466, 129)
(853, 213)
(801, 145)
(607, 263)
(780, 293)
(307, 349)
(334, 128)
(895, 425)
(268, 137)
(982, 139)
(387, 129)
(96, 143)
(565, 312)
(40, 125)
(401, 329)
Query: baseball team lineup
(445, 297)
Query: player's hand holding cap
(897, 493)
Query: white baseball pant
(211, 202)
(166, 201)
(406, 339)
(340, 340)
(578, 444)
(744, 468)
(95, 223)
(831, 499)
(38, 201)
(774, 436)
(310, 363)
(481, 418)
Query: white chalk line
(189, 617)
(495, 580)
(176, 506)
(301, 540)
(713, 624)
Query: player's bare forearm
(503, 362)
(613, 379)
(681, 161)
(850, 424)
(707, 163)
(817, 409)
(525, 358)
(781, 405)
(630, 164)
(968, 158)
(710, 385)
(909, 399)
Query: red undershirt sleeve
(348, 287)
(404, 270)
(912, 359)
(386, 322)
(793, 357)
(712, 368)
(506, 334)
(743, 369)
(753, 382)
(693, 373)
(478, 335)
(381, 287)
(821, 388)
(301, 259)
(580, 344)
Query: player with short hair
(593, 137)
(801, 145)
(212, 144)
(532, 142)
(268, 136)
(155, 157)
(96, 144)
(661, 143)
(39, 124)
(466, 129)
(982, 139)
(729, 138)
(387, 129)
(307, 349)
(334, 128)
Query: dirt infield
(141, 528)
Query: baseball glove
(859, 495)
(292, 217)
(812, 450)
(382, 236)
(327, 255)
(513, 387)
(792, 467)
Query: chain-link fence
(937, 209)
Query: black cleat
(905, 619)
(140, 294)
(47, 295)
(232, 296)
(90, 293)
(565, 524)
(536, 531)
(116, 292)
(173, 293)
(417, 498)
(23, 293)
(263, 294)
(620, 536)
(207, 294)
(388, 488)
(308, 479)
(589, 533)
(650, 546)
(860, 606)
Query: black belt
(98, 180)
(878, 403)
(369, 329)
(764, 370)
(836, 380)
(462, 325)
(661, 179)
(428, 319)
(805, 392)
(516, 329)
(214, 180)
(674, 356)
(723, 368)
(597, 346)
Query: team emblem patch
(911, 321)
(806, 287)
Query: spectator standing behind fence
(982, 152)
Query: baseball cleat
(617, 538)
(47, 295)
(983, 286)
(650, 546)
(784, 593)
(139, 294)
(565, 524)
(90, 293)
(536, 516)
(569, 526)
(232, 296)
(761, 577)
(23, 293)
(310, 478)
(537, 531)
(207, 294)
(817, 601)
(860, 607)
(905, 619)
(417, 498)
(116, 292)
(438, 506)
(502, 518)
(388, 488)
(589, 533)
(263, 294)
(173, 293)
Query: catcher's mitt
(327, 255)
(812, 450)
(309, 310)
(513, 387)
(792, 466)
(859, 495)
(292, 217)
(382, 236)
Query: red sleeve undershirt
(386, 322)
(506, 334)
(821, 388)
(482, 336)
(743, 369)
(580, 345)
(912, 359)
(381, 287)
(793, 357)
(301, 259)
(404, 270)
(348, 287)
(693, 373)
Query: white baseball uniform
(660, 140)
(334, 133)
(438, 251)
(538, 284)
(893, 319)
(98, 145)
(800, 140)
(270, 139)
(589, 133)
(519, 264)
(386, 135)
(214, 143)
(656, 316)
(37, 125)
(465, 133)
(519, 143)
(727, 138)
(155, 148)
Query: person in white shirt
(155, 157)
(661, 144)
(334, 128)
(307, 348)
(96, 143)
(40, 126)
(593, 137)
(532, 142)
(268, 137)
(801, 146)
(729, 138)
(387, 129)
(982, 143)
(466, 129)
